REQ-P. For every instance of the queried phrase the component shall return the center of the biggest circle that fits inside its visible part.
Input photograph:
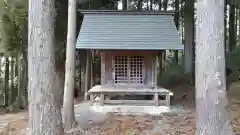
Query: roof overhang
(128, 30)
(126, 12)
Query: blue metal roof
(128, 30)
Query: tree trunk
(6, 77)
(87, 74)
(165, 5)
(68, 103)
(44, 111)
(189, 35)
(19, 77)
(225, 25)
(23, 79)
(151, 5)
(124, 4)
(60, 83)
(176, 19)
(159, 5)
(11, 91)
(91, 69)
(139, 6)
(232, 34)
(211, 101)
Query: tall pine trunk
(225, 25)
(159, 5)
(189, 35)
(139, 5)
(211, 100)
(6, 80)
(44, 111)
(165, 6)
(87, 74)
(11, 91)
(124, 4)
(68, 102)
(232, 29)
(176, 20)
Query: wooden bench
(156, 92)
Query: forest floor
(173, 123)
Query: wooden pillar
(167, 100)
(101, 99)
(103, 67)
(156, 99)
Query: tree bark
(19, 77)
(139, 5)
(189, 35)
(151, 5)
(176, 19)
(211, 101)
(159, 5)
(91, 70)
(6, 78)
(232, 34)
(165, 5)
(225, 25)
(124, 4)
(87, 74)
(11, 92)
(44, 111)
(23, 79)
(68, 103)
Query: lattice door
(128, 69)
(121, 67)
(136, 69)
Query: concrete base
(131, 109)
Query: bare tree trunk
(211, 100)
(60, 83)
(91, 69)
(232, 34)
(11, 90)
(176, 19)
(151, 4)
(19, 77)
(165, 5)
(70, 72)
(139, 6)
(87, 74)
(189, 35)
(124, 4)
(44, 111)
(22, 88)
(6, 77)
(225, 25)
(159, 5)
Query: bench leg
(91, 97)
(156, 99)
(167, 100)
(85, 96)
(101, 99)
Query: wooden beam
(133, 102)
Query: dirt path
(12, 121)
(182, 123)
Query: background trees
(173, 66)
